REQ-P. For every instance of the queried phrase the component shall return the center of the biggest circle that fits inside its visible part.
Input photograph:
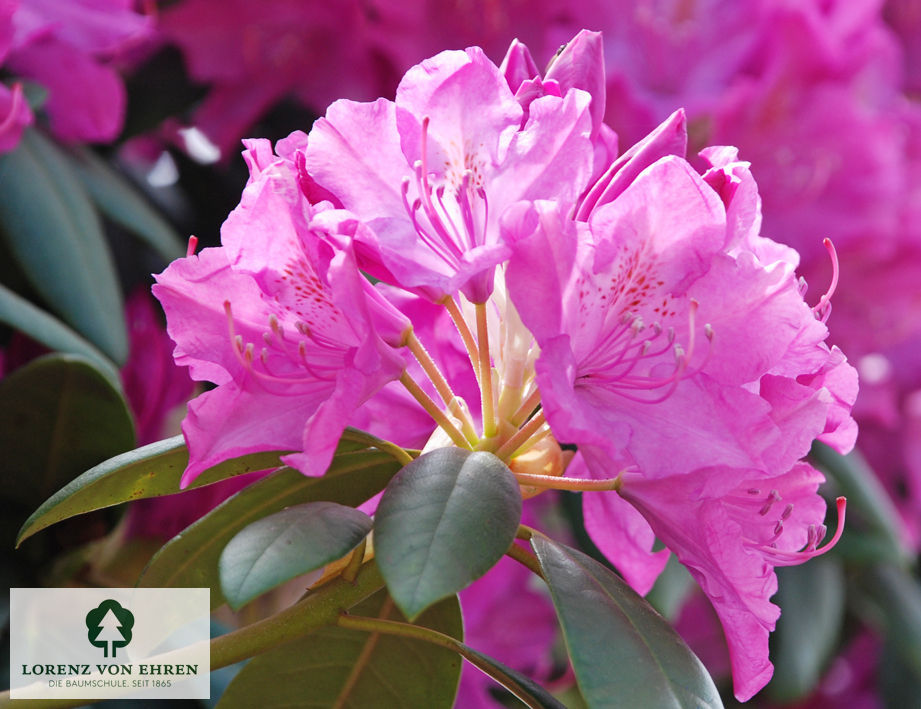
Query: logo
(109, 626)
(110, 643)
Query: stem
(430, 367)
(432, 408)
(469, 341)
(552, 482)
(526, 408)
(525, 532)
(510, 447)
(489, 405)
(401, 455)
(362, 660)
(350, 571)
(524, 557)
(319, 608)
(418, 632)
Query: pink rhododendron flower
(625, 358)
(431, 172)
(627, 305)
(285, 326)
(67, 46)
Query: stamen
(781, 557)
(193, 242)
(822, 309)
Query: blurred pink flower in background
(69, 47)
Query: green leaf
(20, 314)
(889, 598)
(58, 415)
(335, 667)
(56, 237)
(811, 600)
(153, 470)
(191, 558)
(118, 199)
(287, 544)
(443, 522)
(624, 653)
(866, 497)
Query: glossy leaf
(153, 470)
(624, 653)
(58, 416)
(287, 544)
(124, 205)
(191, 558)
(335, 667)
(55, 235)
(443, 522)
(811, 600)
(20, 314)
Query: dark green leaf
(117, 198)
(811, 600)
(287, 544)
(56, 237)
(443, 522)
(20, 314)
(866, 497)
(151, 471)
(335, 667)
(890, 599)
(624, 653)
(190, 559)
(58, 416)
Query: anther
(788, 510)
(773, 496)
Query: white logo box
(103, 643)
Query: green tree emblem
(109, 626)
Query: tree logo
(109, 626)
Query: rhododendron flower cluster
(624, 305)
(67, 46)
